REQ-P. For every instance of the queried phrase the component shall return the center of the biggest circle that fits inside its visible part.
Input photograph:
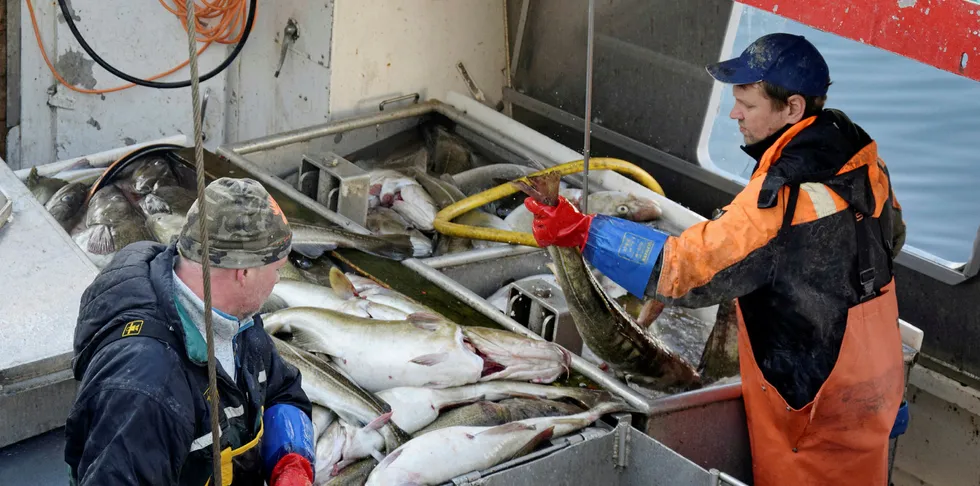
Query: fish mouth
(490, 366)
(536, 367)
(647, 213)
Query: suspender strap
(794, 196)
(866, 269)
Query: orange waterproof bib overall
(841, 436)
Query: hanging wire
(584, 204)
(205, 244)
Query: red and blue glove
(622, 250)
(287, 447)
(561, 225)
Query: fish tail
(542, 188)
(101, 242)
(341, 284)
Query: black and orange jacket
(795, 275)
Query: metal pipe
(588, 109)
(102, 159)
(634, 399)
(695, 398)
(317, 131)
(476, 256)
(270, 180)
(519, 41)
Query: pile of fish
(395, 385)
(148, 199)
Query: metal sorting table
(44, 275)
(708, 425)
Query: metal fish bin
(690, 438)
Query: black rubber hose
(155, 84)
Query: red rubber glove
(292, 470)
(562, 225)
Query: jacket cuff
(624, 251)
(287, 430)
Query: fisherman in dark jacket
(142, 414)
(806, 249)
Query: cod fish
(66, 204)
(441, 455)
(720, 357)
(414, 408)
(508, 355)
(480, 179)
(390, 188)
(313, 241)
(445, 194)
(43, 188)
(339, 297)
(322, 418)
(606, 328)
(113, 221)
(385, 221)
(448, 152)
(609, 203)
(329, 449)
(165, 227)
(423, 350)
(168, 199)
(487, 413)
(152, 174)
(329, 388)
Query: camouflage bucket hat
(246, 227)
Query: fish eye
(622, 209)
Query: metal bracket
(6, 208)
(621, 447)
(337, 184)
(719, 478)
(289, 35)
(540, 307)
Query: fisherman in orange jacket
(806, 249)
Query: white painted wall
(350, 55)
(387, 48)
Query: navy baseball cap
(785, 60)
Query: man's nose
(735, 114)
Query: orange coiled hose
(227, 29)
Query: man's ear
(795, 107)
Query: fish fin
(390, 458)
(32, 178)
(341, 284)
(551, 266)
(379, 422)
(425, 321)
(313, 251)
(153, 204)
(506, 428)
(545, 434)
(430, 359)
(395, 247)
(650, 312)
(101, 242)
(542, 188)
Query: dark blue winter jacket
(141, 415)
